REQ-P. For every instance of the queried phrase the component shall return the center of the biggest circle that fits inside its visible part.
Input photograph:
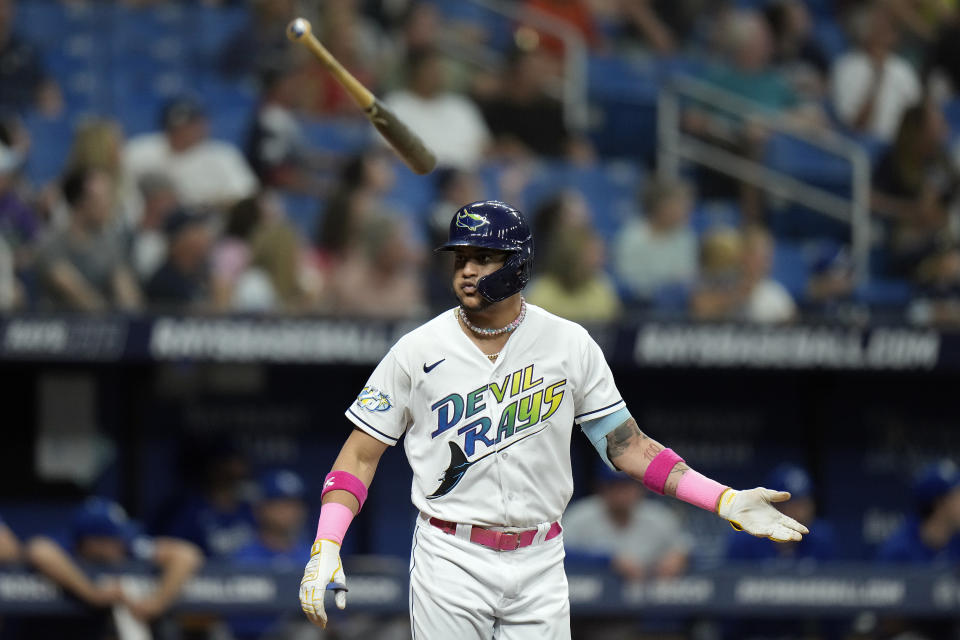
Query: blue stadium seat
(790, 268)
(303, 212)
(231, 108)
(625, 97)
(806, 162)
(342, 136)
(49, 24)
(830, 35)
(137, 113)
(951, 111)
(411, 194)
(708, 214)
(51, 140)
(610, 189)
(822, 9)
(142, 79)
(210, 30)
(885, 293)
(671, 298)
(798, 222)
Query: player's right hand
(752, 511)
(322, 572)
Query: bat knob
(298, 28)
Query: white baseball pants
(460, 590)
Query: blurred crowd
(176, 220)
(227, 514)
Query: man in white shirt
(642, 537)
(450, 124)
(206, 173)
(659, 248)
(871, 86)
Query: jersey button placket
(493, 409)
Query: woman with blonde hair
(97, 144)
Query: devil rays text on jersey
(529, 403)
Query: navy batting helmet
(491, 224)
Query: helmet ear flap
(508, 279)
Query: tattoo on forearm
(673, 480)
(620, 438)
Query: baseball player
(486, 394)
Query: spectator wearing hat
(280, 513)
(206, 173)
(818, 546)
(932, 534)
(621, 526)
(276, 144)
(84, 265)
(281, 543)
(182, 282)
(216, 513)
(102, 534)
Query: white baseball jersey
(488, 442)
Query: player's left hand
(752, 511)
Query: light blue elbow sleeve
(597, 430)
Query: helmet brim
(480, 243)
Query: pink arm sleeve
(333, 523)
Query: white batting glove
(752, 512)
(322, 573)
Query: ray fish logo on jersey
(372, 399)
(471, 221)
(523, 417)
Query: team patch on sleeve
(372, 399)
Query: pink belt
(498, 540)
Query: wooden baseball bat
(406, 143)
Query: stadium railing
(733, 591)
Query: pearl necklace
(494, 332)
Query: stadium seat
(806, 162)
(671, 298)
(303, 212)
(791, 268)
(885, 293)
(625, 97)
(610, 189)
(50, 144)
(49, 24)
(137, 113)
(411, 194)
(343, 136)
(794, 221)
(828, 33)
(211, 28)
(231, 107)
(707, 214)
(951, 111)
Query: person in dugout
(101, 538)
